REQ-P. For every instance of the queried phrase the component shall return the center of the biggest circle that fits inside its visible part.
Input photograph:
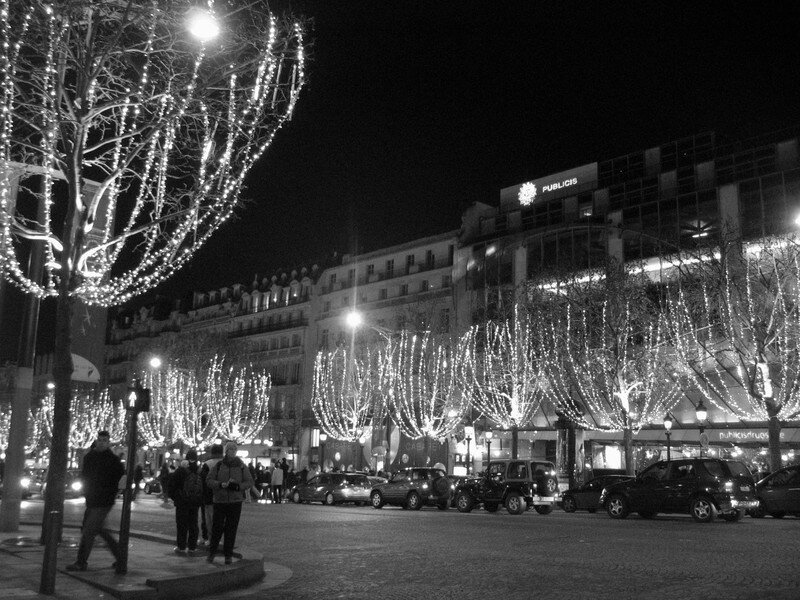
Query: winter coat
(229, 470)
(277, 476)
(208, 493)
(101, 474)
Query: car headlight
(25, 482)
(76, 486)
(424, 486)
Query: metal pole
(469, 439)
(668, 454)
(127, 494)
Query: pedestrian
(230, 479)
(101, 472)
(276, 482)
(138, 476)
(163, 480)
(208, 494)
(186, 491)
(303, 475)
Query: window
(370, 270)
(295, 373)
(273, 344)
(424, 286)
(446, 281)
(390, 268)
(323, 342)
(346, 301)
(295, 339)
(327, 306)
(410, 260)
(332, 280)
(285, 341)
(429, 258)
(351, 275)
(404, 289)
(382, 294)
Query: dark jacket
(227, 470)
(101, 474)
(175, 488)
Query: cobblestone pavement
(355, 553)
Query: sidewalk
(154, 571)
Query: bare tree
(167, 126)
(504, 368)
(735, 325)
(236, 399)
(99, 413)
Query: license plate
(744, 488)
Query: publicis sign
(558, 185)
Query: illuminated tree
(735, 325)
(158, 426)
(424, 397)
(612, 369)
(504, 369)
(92, 415)
(346, 396)
(166, 125)
(236, 398)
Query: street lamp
(469, 432)
(702, 414)
(667, 428)
(488, 436)
(323, 437)
(202, 25)
(361, 441)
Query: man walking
(208, 494)
(277, 483)
(186, 491)
(102, 470)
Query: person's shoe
(76, 567)
(228, 560)
(179, 551)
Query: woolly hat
(191, 454)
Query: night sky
(413, 110)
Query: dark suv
(414, 488)
(703, 487)
(515, 484)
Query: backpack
(193, 488)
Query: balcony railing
(267, 327)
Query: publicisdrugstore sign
(558, 185)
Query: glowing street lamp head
(155, 362)
(202, 25)
(354, 319)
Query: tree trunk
(774, 432)
(59, 448)
(514, 442)
(627, 442)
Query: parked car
(333, 488)
(73, 486)
(587, 496)
(457, 480)
(413, 489)
(516, 484)
(778, 494)
(703, 487)
(375, 480)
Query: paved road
(349, 552)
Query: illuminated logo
(527, 193)
(552, 187)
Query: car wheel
(413, 501)
(491, 506)
(647, 514)
(549, 486)
(376, 499)
(543, 509)
(732, 517)
(617, 507)
(569, 504)
(464, 503)
(778, 514)
(329, 499)
(702, 510)
(515, 504)
(758, 512)
(296, 497)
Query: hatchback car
(778, 494)
(587, 496)
(413, 489)
(73, 484)
(333, 488)
(703, 487)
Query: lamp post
(702, 414)
(667, 431)
(138, 401)
(323, 437)
(469, 432)
(361, 441)
(488, 436)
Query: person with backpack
(186, 491)
(230, 480)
